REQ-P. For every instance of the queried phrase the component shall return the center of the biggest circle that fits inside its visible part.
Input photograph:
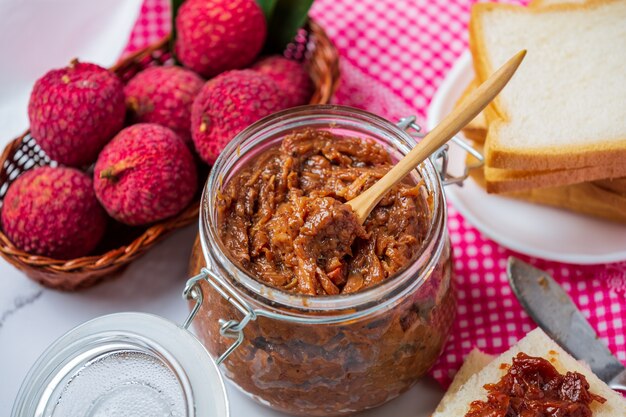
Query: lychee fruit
(74, 111)
(145, 174)
(291, 77)
(214, 36)
(226, 105)
(163, 95)
(53, 212)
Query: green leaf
(288, 16)
(175, 5)
(268, 8)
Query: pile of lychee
(125, 153)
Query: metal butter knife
(551, 308)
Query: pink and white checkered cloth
(395, 53)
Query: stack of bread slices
(556, 134)
(481, 369)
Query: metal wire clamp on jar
(329, 355)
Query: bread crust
(474, 363)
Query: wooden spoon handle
(475, 102)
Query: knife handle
(618, 383)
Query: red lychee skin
(163, 95)
(226, 105)
(75, 111)
(53, 212)
(214, 36)
(145, 174)
(291, 77)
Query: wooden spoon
(475, 102)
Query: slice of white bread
(564, 108)
(586, 198)
(605, 199)
(505, 180)
(499, 180)
(476, 130)
(536, 343)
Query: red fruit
(163, 95)
(53, 212)
(75, 111)
(290, 76)
(145, 174)
(214, 36)
(226, 105)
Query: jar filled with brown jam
(307, 310)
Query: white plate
(534, 230)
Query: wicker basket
(124, 244)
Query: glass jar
(322, 355)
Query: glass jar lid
(125, 364)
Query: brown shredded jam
(533, 387)
(282, 217)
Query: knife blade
(554, 311)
